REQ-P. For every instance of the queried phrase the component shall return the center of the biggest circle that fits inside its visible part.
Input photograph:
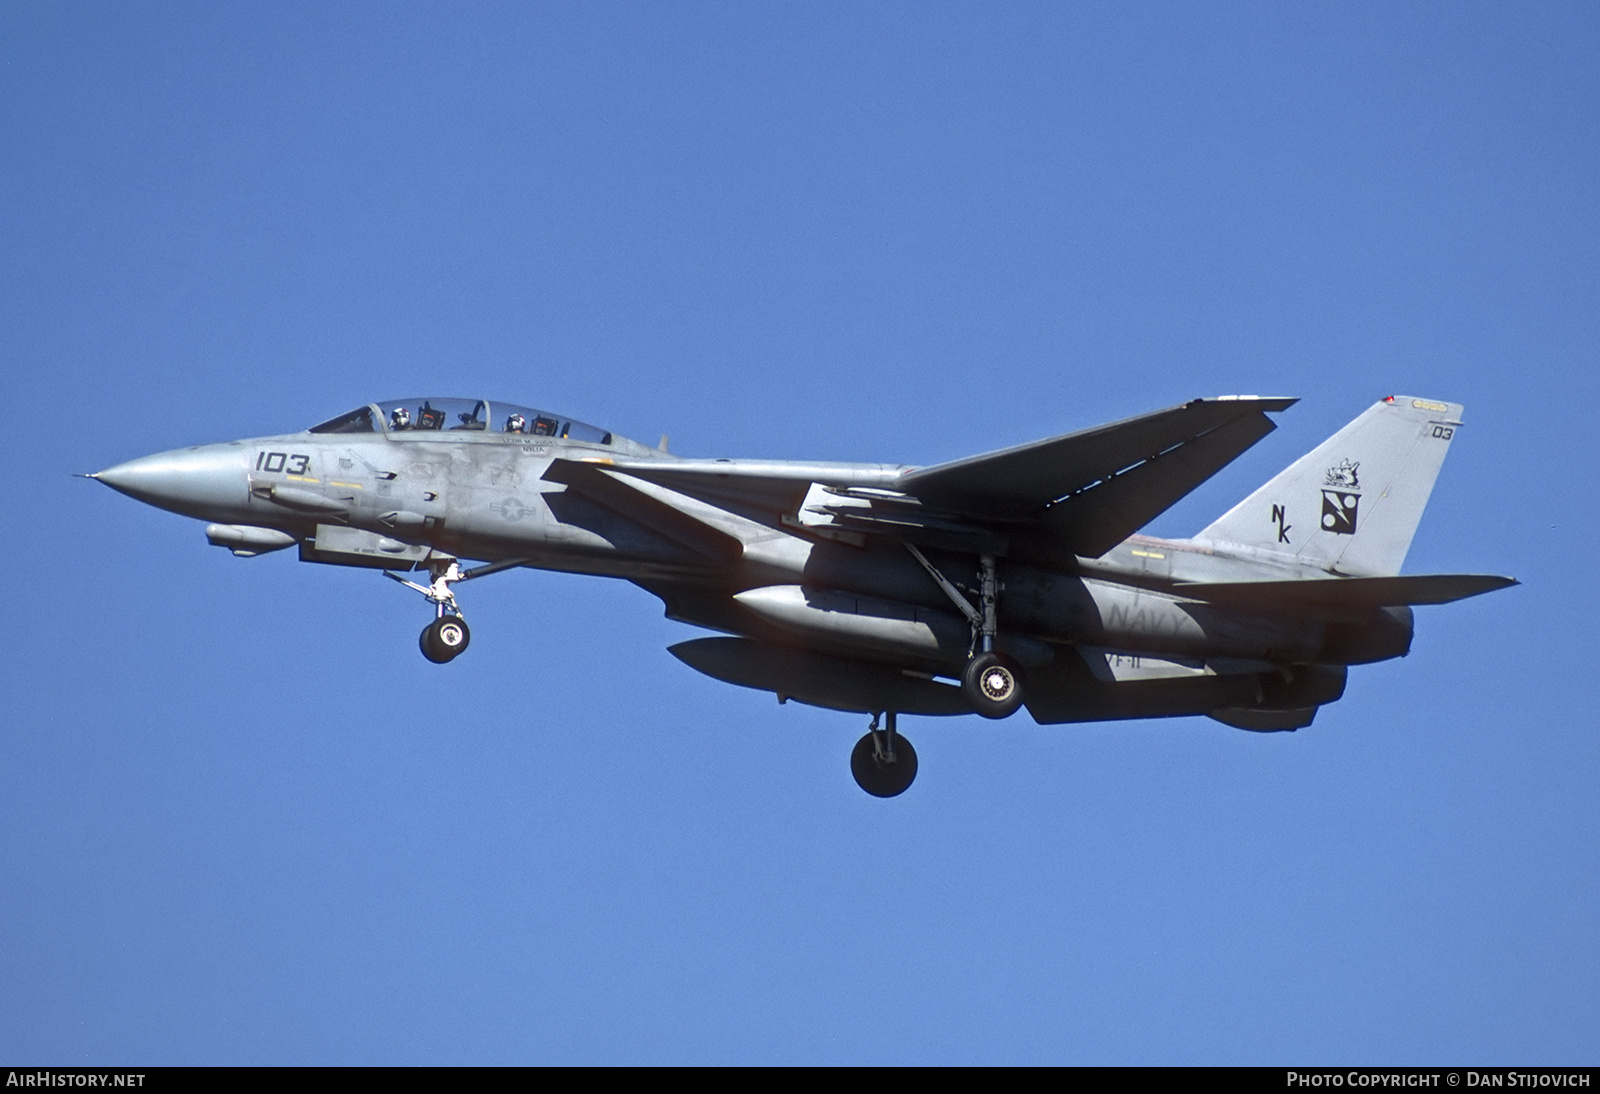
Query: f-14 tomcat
(1014, 578)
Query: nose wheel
(883, 762)
(445, 639)
(447, 636)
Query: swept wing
(1085, 491)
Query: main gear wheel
(993, 684)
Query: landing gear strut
(447, 636)
(992, 682)
(883, 762)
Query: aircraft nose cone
(134, 478)
(197, 482)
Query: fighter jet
(1017, 578)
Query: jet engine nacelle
(890, 627)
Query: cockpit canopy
(397, 416)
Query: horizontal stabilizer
(1346, 592)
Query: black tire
(993, 684)
(879, 779)
(445, 639)
(429, 649)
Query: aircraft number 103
(282, 461)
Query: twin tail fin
(1352, 504)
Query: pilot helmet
(400, 418)
(515, 423)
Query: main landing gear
(993, 685)
(883, 762)
(992, 681)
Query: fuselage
(733, 550)
(1015, 578)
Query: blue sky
(245, 822)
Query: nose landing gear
(447, 636)
(445, 639)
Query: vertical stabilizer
(1351, 504)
